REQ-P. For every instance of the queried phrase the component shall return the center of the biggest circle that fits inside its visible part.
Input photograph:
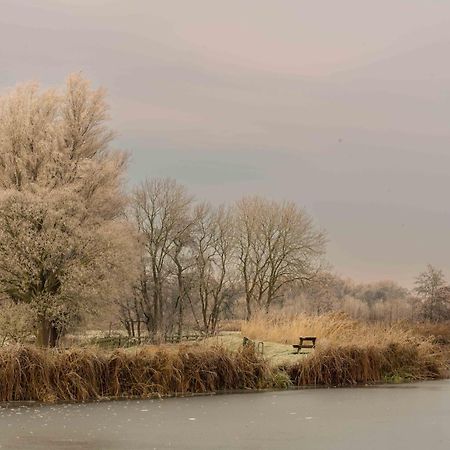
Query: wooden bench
(301, 344)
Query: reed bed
(351, 365)
(335, 329)
(29, 373)
(347, 353)
(437, 332)
(350, 352)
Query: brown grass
(437, 332)
(347, 353)
(28, 373)
(350, 352)
(335, 329)
(350, 364)
(230, 325)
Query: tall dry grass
(29, 373)
(334, 329)
(351, 364)
(347, 353)
(437, 332)
(351, 352)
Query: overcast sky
(342, 106)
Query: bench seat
(302, 339)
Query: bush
(16, 325)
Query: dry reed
(350, 365)
(348, 353)
(437, 332)
(29, 373)
(351, 352)
(333, 329)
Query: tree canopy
(63, 246)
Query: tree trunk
(126, 324)
(54, 336)
(138, 326)
(43, 333)
(47, 334)
(249, 308)
(180, 318)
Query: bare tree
(63, 244)
(182, 258)
(429, 282)
(432, 288)
(130, 313)
(213, 246)
(321, 293)
(161, 209)
(277, 245)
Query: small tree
(432, 289)
(321, 293)
(130, 313)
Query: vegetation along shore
(348, 353)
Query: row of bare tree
(196, 259)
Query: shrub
(16, 325)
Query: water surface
(409, 417)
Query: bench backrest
(311, 339)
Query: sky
(341, 106)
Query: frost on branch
(64, 245)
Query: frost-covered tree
(434, 292)
(63, 243)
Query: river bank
(28, 373)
